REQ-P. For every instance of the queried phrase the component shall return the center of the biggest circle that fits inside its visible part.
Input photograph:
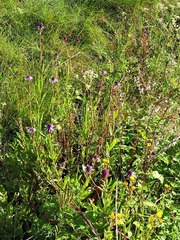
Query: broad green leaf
(156, 175)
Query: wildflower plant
(90, 143)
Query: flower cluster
(49, 128)
(89, 74)
(119, 219)
(155, 220)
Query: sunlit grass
(89, 119)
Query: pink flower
(31, 129)
(103, 72)
(49, 127)
(53, 80)
(41, 26)
(87, 169)
(105, 173)
(28, 78)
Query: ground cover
(89, 117)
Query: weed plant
(89, 119)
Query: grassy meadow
(89, 119)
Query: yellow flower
(119, 215)
(125, 183)
(149, 145)
(133, 188)
(132, 178)
(149, 226)
(168, 188)
(119, 222)
(159, 214)
(112, 216)
(106, 160)
(160, 220)
(151, 219)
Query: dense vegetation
(89, 119)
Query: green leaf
(137, 224)
(156, 175)
(113, 186)
(84, 194)
(111, 146)
(130, 234)
(3, 194)
(143, 134)
(115, 114)
(149, 204)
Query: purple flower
(49, 127)
(59, 165)
(87, 169)
(105, 173)
(78, 40)
(103, 72)
(65, 38)
(129, 173)
(31, 129)
(56, 54)
(41, 26)
(53, 80)
(116, 84)
(83, 71)
(134, 39)
(28, 78)
(95, 157)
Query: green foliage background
(115, 106)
